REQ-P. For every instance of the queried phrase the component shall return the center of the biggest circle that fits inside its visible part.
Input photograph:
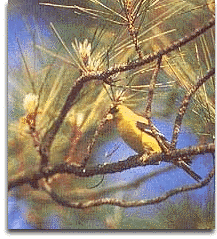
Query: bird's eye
(114, 110)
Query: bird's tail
(187, 169)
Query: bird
(136, 132)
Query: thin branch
(94, 139)
(134, 184)
(184, 106)
(131, 17)
(123, 203)
(86, 194)
(151, 88)
(51, 133)
(149, 102)
(103, 76)
(108, 168)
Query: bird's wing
(147, 129)
(183, 163)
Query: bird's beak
(109, 116)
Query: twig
(130, 162)
(151, 88)
(184, 106)
(118, 187)
(136, 183)
(123, 203)
(131, 17)
(94, 139)
(149, 102)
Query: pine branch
(94, 139)
(131, 17)
(184, 105)
(151, 88)
(149, 102)
(109, 168)
(124, 203)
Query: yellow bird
(136, 132)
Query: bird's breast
(138, 140)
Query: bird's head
(113, 112)
(118, 111)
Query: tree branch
(108, 168)
(151, 88)
(51, 133)
(125, 186)
(149, 102)
(184, 106)
(123, 203)
(95, 137)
